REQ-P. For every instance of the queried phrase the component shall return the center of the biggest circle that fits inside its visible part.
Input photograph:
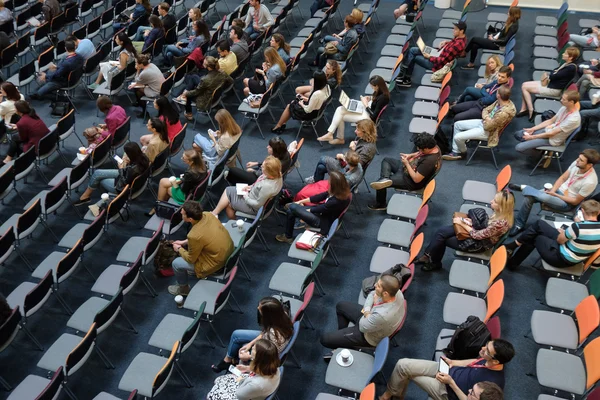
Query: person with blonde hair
(483, 235)
(273, 68)
(94, 136)
(552, 84)
(220, 141)
(492, 67)
(256, 195)
(283, 48)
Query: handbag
(493, 29)
(459, 229)
(545, 80)
(330, 48)
(440, 74)
(309, 241)
(165, 210)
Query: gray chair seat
(454, 14)
(49, 263)
(361, 298)
(245, 108)
(385, 258)
(170, 330)
(403, 206)
(543, 20)
(425, 108)
(496, 17)
(386, 74)
(387, 62)
(588, 23)
(545, 41)
(58, 177)
(141, 373)
(41, 195)
(12, 221)
(294, 51)
(576, 270)
(72, 236)
(109, 280)
(56, 355)
(544, 104)
(444, 33)
(298, 41)
(298, 254)
(426, 81)
(466, 207)
(327, 396)
(352, 378)
(154, 222)
(368, 90)
(234, 232)
(469, 276)
(554, 329)
(105, 396)
(88, 215)
(16, 298)
(84, 316)
(544, 64)
(132, 249)
(401, 29)
(288, 278)
(458, 307)
(564, 294)
(203, 291)
(427, 93)
(312, 22)
(397, 40)
(418, 125)
(395, 232)
(480, 192)
(391, 50)
(481, 73)
(545, 52)
(481, 81)
(537, 75)
(589, 54)
(29, 388)
(545, 31)
(436, 43)
(562, 371)
(447, 23)
(295, 304)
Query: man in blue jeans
(577, 183)
(58, 75)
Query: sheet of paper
(239, 188)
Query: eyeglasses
(487, 353)
(473, 395)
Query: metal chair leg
(7, 387)
(185, 378)
(128, 321)
(318, 284)
(244, 269)
(103, 357)
(307, 321)
(33, 338)
(148, 285)
(239, 310)
(216, 333)
(45, 223)
(62, 302)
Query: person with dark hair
(115, 180)
(227, 59)
(342, 44)
(380, 316)
(283, 48)
(328, 207)
(30, 129)
(9, 94)
(319, 4)
(84, 47)
(258, 19)
(480, 391)
(150, 36)
(204, 252)
(115, 115)
(241, 24)
(167, 114)
(168, 21)
(276, 148)
(372, 106)
(489, 367)
(148, 80)
(276, 327)
(5, 310)
(306, 108)
(412, 172)
(58, 75)
(50, 9)
(108, 69)
(185, 48)
(142, 10)
(238, 45)
(258, 381)
(158, 140)
(577, 183)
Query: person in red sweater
(167, 114)
(115, 116)
(30, 129)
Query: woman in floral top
(499, 223)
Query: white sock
(523, 187)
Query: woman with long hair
(108, 69)
(276, 327)
(495, 38)
(283, 48)
(159, 138)
(498, 224)
(306, 108)
(372, 106)
(258, 380)
(492, 67)
(329, 206)
(157, 32)
(200, 36)
(167, 114)
(30, 129)
(333, 73)
(272, 69)
(276, 148)
(9, 94)
(220, 141)
(115, 180)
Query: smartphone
(118, 159)
(299, 97)
(580, 215)
(444, 367)
(235, 371)
(211, 132)
(564, 227)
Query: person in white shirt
(589, 41)
(258, 19)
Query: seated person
(488, 367)
(407, 6)
(273, 68)
(553, 131)
(239, 46)
(561, 248)
(50, 9)
(258, 380)
(94, 136)
(578, 182)
(108, 69)
(482, 390)
(333, 74)
(450, 49)
(306, 108)
(276, 327)
(319, 4)
(484, 236)
(115, 180)
(202, 94)
(9, 94)
(494, 119)
(589, 78)
(184, 48)
(204, 252)
(372, 108)
(148, 80)
(6, 15)
(283, 49)
(492, 67)
(84, 47)
(378, 318)
(58, 75)
(587, 41)
(30, 129)
(472, 101)
(115, 116)
(343, 44)
(276, 148)
(589, 112)
(183, 187)
(227, 59)
(496, 39)
(336, 199)
(364, 146)
(220, 141)
(241, 24)
(150, 36)
(168, 21)
(256, 195)
(412, 172)
(552, 84)
(167, 114)
(258, 19)
(142, 9)
(156, 141)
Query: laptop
(351, 105)
(426, 49)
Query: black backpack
(467, 340)
(400, 271)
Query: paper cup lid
(341, 362)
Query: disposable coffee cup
(173, 181)
(179, 301)
(240, 224)
(548, 186)
(104, 196)
(82, 150)
(345, 355)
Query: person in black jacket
(494, 40)
(276, 148)
(336, 200)
(168, 21)
(114, 180)
(151, 36)
(58, 75)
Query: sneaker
(431, 267)
(299, 225)
(404, 82)
(453, 156)
(515, 188)
(284, 239)
(381, 184)
(377, 207)
(81, 202)
(181, 100)
(93, 86)
(309, 180)
(177, 290)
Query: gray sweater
(257, 387)
(383, 318)
(262, 190)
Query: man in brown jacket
(208, 247)
(494, 118)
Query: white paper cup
(82, 150)
(104, 196)
(80, 156)
(240, 224)
(548, 186)
(179, 300)
(345, 355)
